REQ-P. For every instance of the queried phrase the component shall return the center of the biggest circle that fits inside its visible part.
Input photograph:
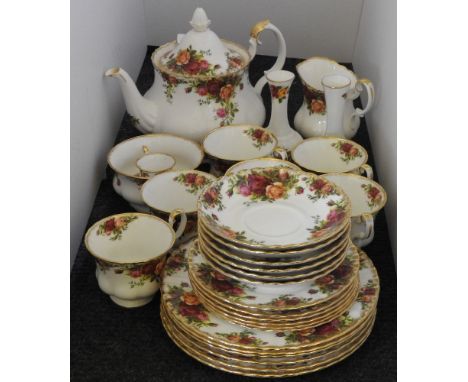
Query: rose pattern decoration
(334, 217)
(320, 187)
(315, 101)
(211, 198)
(190, 62)
(227, 287)
(226, 231)
(287, 300)
(347, 150)
(193, 182)
(268, 184)
(337, 278)
(374, 195)
(245, 337)
(187, 305)
(115, 226)
(279, 92)
(259, 137)
(367, 294)
(139, 273)
(176, 262)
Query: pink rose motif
(327, 328)
(244, 190)
(204, 65)
(135, 274)
(109, 226)
(346, 147)
(334, 216)
(221, 112)
(202, 316)
(193, 67)
(190, 178)
(202, 90)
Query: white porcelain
(331, 154)
(274, 208)
(123, 157)
(130, 250)
(329, 92)
(152, 164)
(367, 198)
(261, 163)
(174, 190)
(201, 82)
(279, 82)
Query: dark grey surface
(109, 343)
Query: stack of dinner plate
(217, 340)
(274, 226)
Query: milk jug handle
(254, 41)
(362, 84)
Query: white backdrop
(110, 33)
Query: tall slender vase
(280, 81)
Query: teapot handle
(362, 84)
(254, 42)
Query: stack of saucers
(274, 226)
(239, 349)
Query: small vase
(280, 81)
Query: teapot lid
(200, 52)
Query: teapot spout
(143, 112)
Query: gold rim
(163, 69)
(203, 236)
(273, 272)
(331, 233)
(205, 174)
(278, 280)
(364, 179)
(198, 146)
(343, 352)
(305, 141)
(285, 348)
(92, 228)
(288, 164)
(298, 252)
(274, 310)
(285, 83)
(237, 126)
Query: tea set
(281, 206)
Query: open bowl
(123, 160)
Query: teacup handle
(254, 41)
(368, 220)
(183, 221)
(367, 171)
(362, 84)
(279, 152)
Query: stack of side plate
(274, 225)
(217, 342)
(274, 307)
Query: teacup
(230, 144)
(367, 198)
(130, 251)
(153, 164)
(331, 154)
(123, 157)
(173, 190)
(261, 163)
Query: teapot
(329, 92)
(201, 83)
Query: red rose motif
(221, 286)
(327, 328)
(190, 178)
(246, 340)
(334, 216)
(135, 273)
(342, 271)
(236, 291)
(346, 147)
(218, 276)
(293, 301)
(325, 280)
(188, 310)
(109, 226)
(257, 134)
(368, 291)
(213, 87)
(148, 269)
(373, 192)
(257, 183)
(204, 65)
(193, 67)
(317, 184)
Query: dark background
(110, 343)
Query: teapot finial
(200, 21)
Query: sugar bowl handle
(254, 42)
(183, 221)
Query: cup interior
(129, 238)
(366, 195)
(336, 81)
(280, 76)
(156, 162)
